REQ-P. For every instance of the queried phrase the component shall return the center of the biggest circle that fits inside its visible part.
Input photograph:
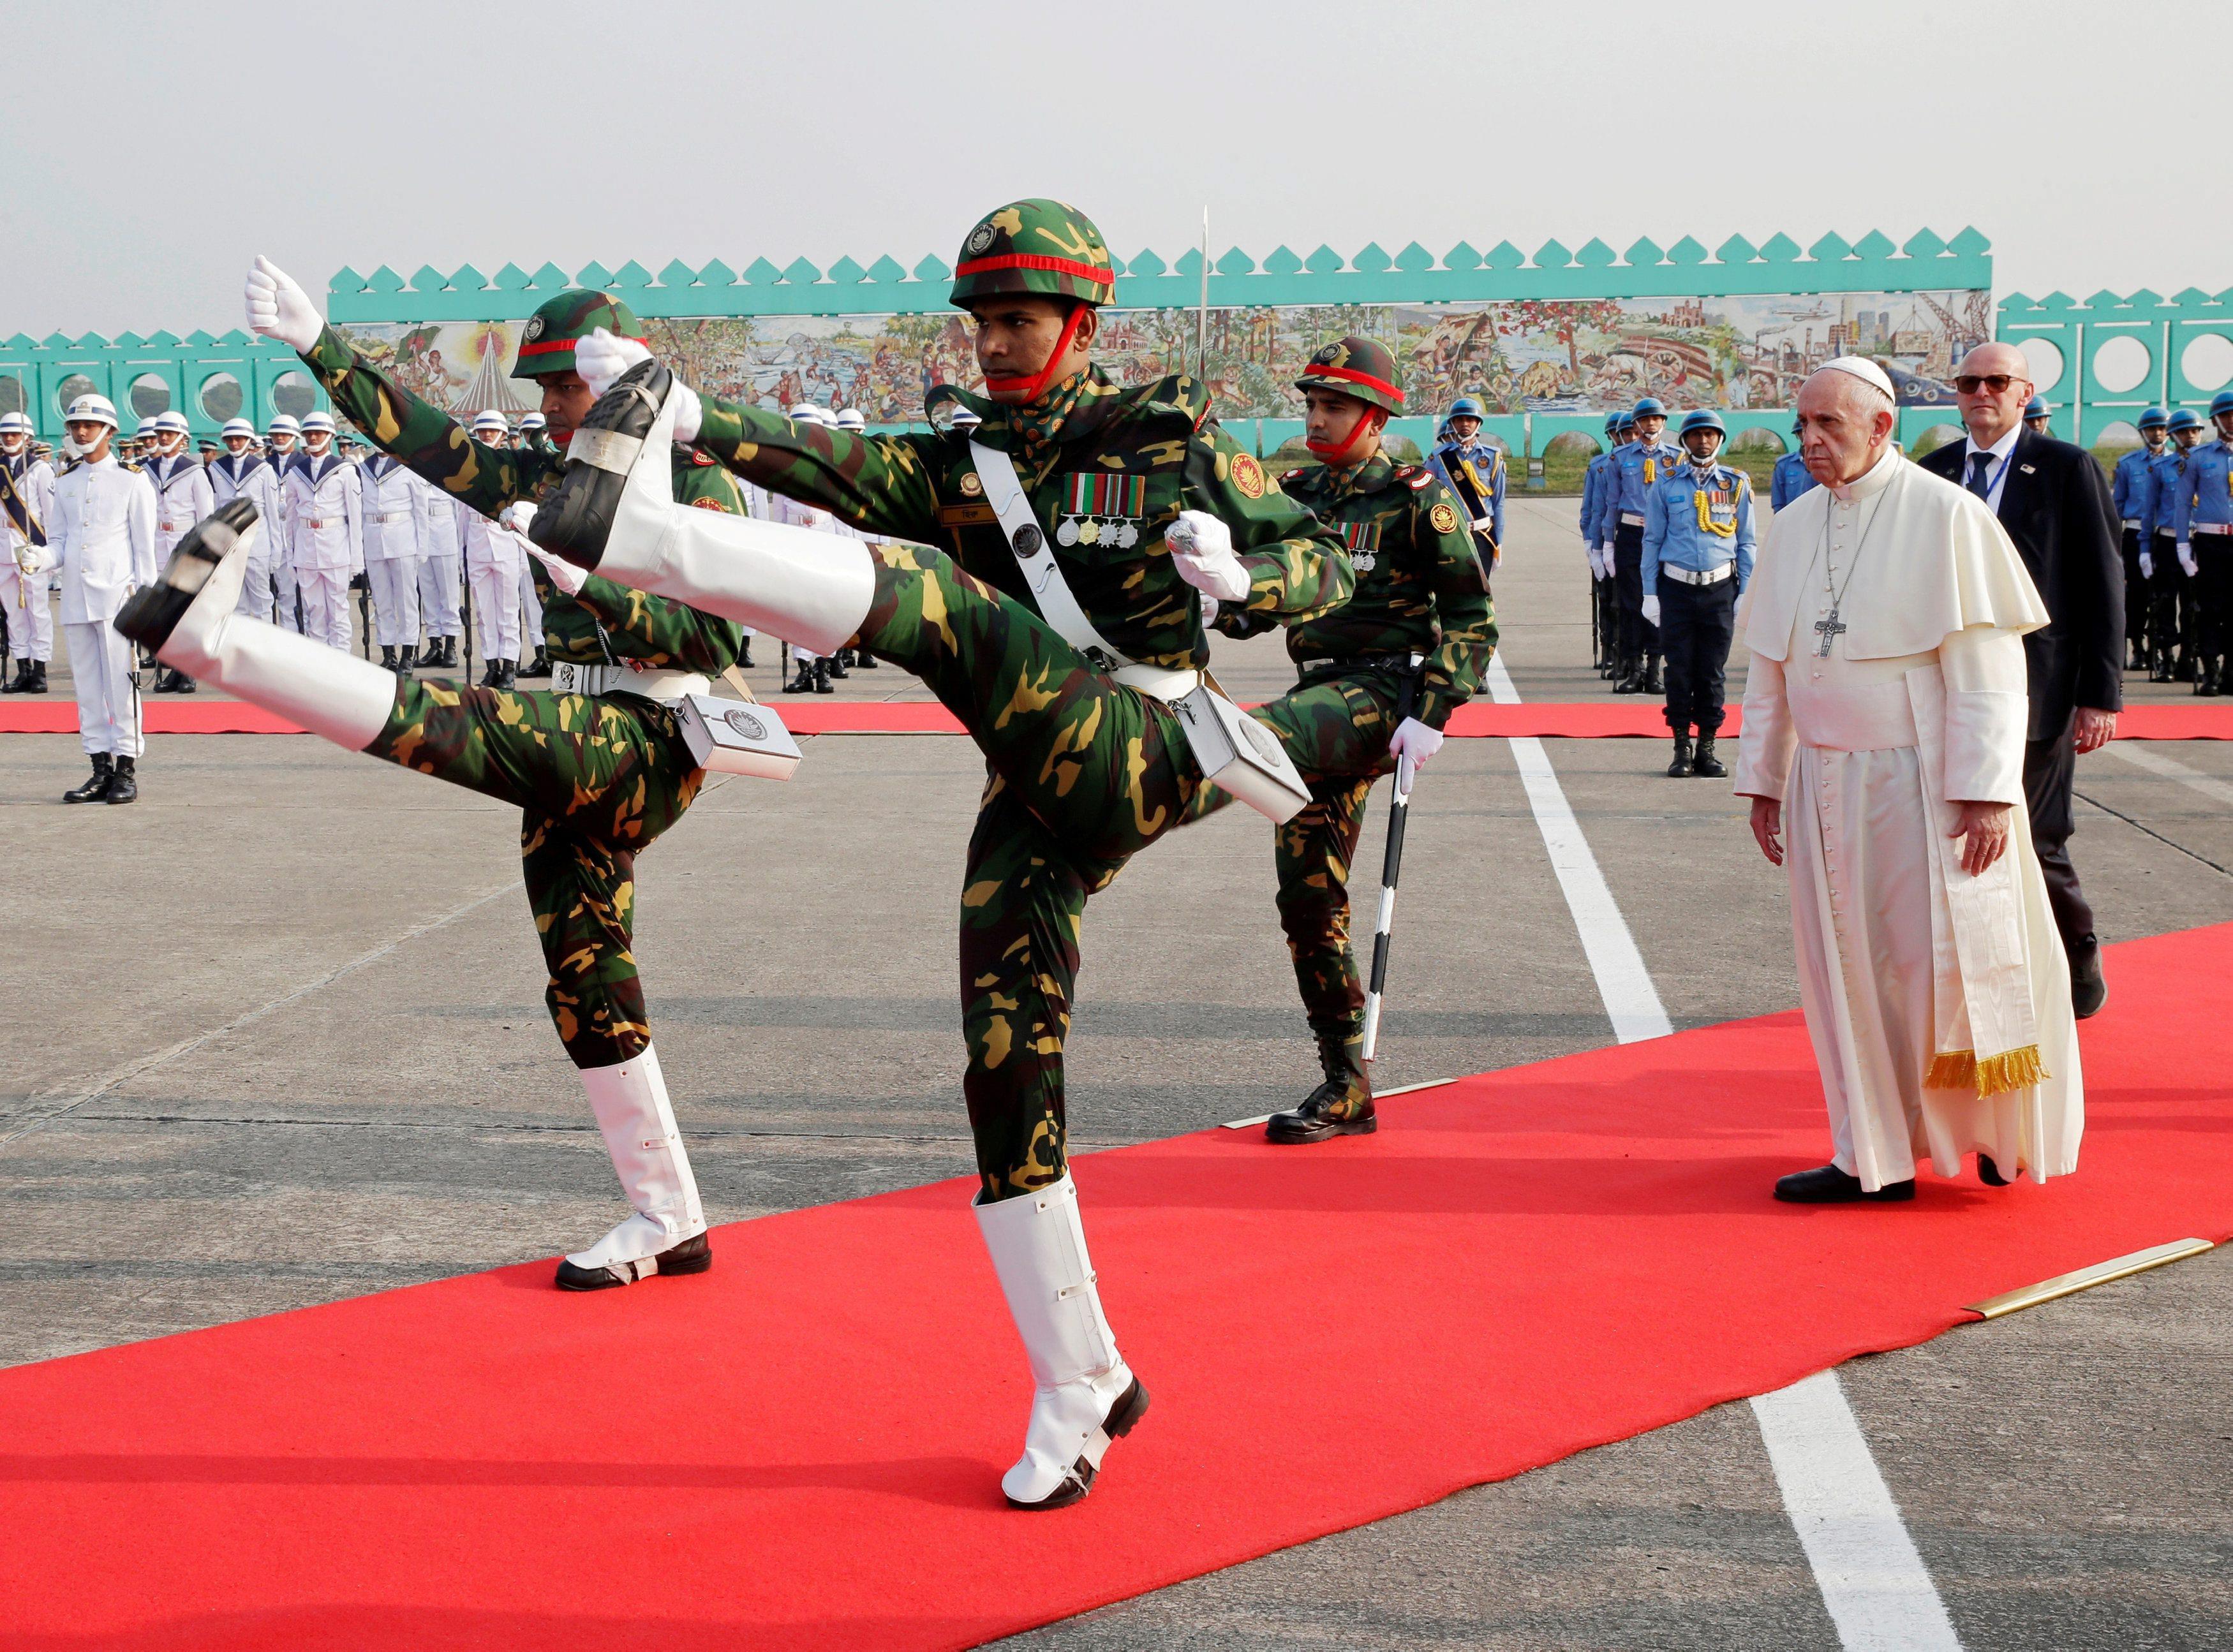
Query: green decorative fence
(2113, 356)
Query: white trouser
(496, 612)
(394, 601)
(256, 591)
(326, 606)
(30, 615)
(282, 581)
(531, 605)
(101, 661)
(437, 594)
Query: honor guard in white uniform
(494, 565)
(183, 497)
(325, 519)
(27, 512)
(492, 427)
(815, 671)
(241, 470)
(441, 549)
(283, 447)
(103, 541)
(389, 494)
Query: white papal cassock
(1939, 1003)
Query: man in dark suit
(2055, 504)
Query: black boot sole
(1123, 1416)
(577, 521)
(1302, 1132)
(153, 613)
(693, 1255)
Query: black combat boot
(2159, 665)
(863, 660)
(21, 682)
(386, 657)
(507, 675)
(162, 683)
(1705, 764)
(431, 655)
(450, 653)
(38, 677)
(822, 677)
(1340, 1106)
(181, 684)
(1680, 769)
(577, 518)
(804, 683)
(1631, 675)
(539, 667)
(744, 654)
(104, 776)
(1653, 682)
(404, 663)
(124, 787)
(835, 665)
(2208, 678)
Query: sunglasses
(1996, 383)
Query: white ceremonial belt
(1157, 683)
(661, 683)
(2131, 521)
(323, 522)
(174, 527)
(389, 515)
(1630, 519)
(2211, 527)
(1711, 577)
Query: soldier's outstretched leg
(596, 780)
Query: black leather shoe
(1831, 1185)
(693, 1255)
(1989, 1172)
(1680, 769)
(576, 520)
(802, 683)
(97, 787)
(2089, 990)
(1705, 764)
(1341, 1105)
(124, 787)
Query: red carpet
(800, 1449)
(1581, 720)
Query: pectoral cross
(1829, 630)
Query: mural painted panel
(1553, 356)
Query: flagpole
(1201, 318)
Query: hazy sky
(151, 150)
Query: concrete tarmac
(280, 1040)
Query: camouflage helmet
(546, 343)
(1355, 367)
(1034, 247)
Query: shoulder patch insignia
(698, 457)
(713, 505)
(1248, 475)
(1418, 478)
(972, 483)
(1444, 519)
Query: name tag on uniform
(965, 515)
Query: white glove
(2147, 566)
(279, 307)
(603, 356)
(1208, 612)
(2186, 561)
(1201, 546)
(1601, 559)
(1651, 610)
(1412, 743)
(567, 577)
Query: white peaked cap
(318, 421)
(1864, 369)
(491, 419)
(91, 408)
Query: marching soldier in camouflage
(1130, 504)
(598, 773)
(1380, 676)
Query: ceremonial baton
(1391, 865)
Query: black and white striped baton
(1391, 865)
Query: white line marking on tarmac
(1878, 1591)
(2140, 756)
(133, 1069)
(1625, 985)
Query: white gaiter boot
(666, 1233)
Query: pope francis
(1882, 750)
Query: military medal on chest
(1100, 508)
(1363, 539)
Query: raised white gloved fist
(1412, 743)
(279, 307)
(2186, 561)
(1201, 547)
(603, 356)
(1651, 610)
(2147, 566)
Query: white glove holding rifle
(603, 356)
(1202, 549)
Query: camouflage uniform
(1421, 590)
(597, 778)
(1082, 771)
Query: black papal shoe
(1831, 1185)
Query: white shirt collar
(1999, 450)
